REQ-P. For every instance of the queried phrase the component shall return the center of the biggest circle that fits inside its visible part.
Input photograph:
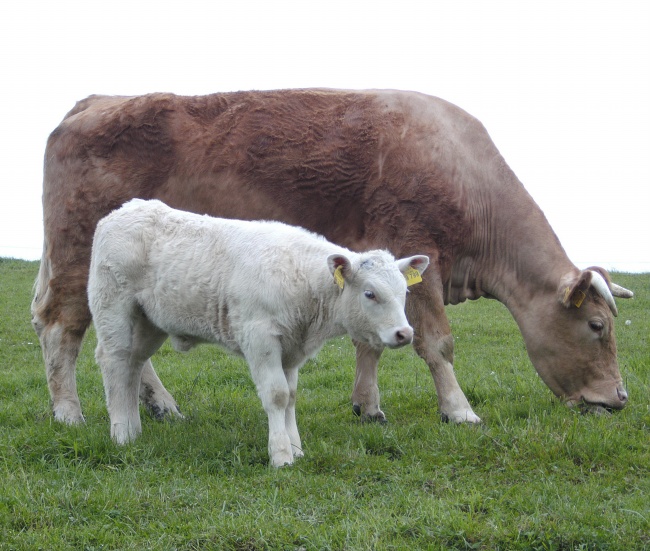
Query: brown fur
(392, 170)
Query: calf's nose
(622, 395)
(404, 336)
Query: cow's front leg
(434, 343)
(264, 358)
(365, 396)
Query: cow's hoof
(466, 416)
(377, 417)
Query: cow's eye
(596, 326)
(369, 295)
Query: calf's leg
(290, 413)
(154, 396)
(125, 343)
(264, 358)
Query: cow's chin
(599, 407)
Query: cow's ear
(573, 289)
(420, 262)
(340, 267)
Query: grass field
(534, 475)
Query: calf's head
(373, 296)
(569, 334)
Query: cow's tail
(41, 292)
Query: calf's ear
(420, 262)
(334, 261)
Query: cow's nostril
(622, 395)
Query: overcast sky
(563, 87)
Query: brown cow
(369, 169)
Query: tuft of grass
(534, 475)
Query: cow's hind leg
(60, 348)
(60, 318)
(365, 396)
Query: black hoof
(356, 408)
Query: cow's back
(354, 166)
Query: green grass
(535, 475)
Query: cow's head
(569, 334)
(373, 294)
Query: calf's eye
(596, 326)
(370, 295)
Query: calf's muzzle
(402, 337)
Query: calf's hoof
(124, 433)
(282, 460)
(297, 452)
(161, 412)
(68, 414)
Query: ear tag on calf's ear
(338, 277)
(578, 299)
(412, 276)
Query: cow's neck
(512, 254)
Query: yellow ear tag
(412, 276)
(579, 298)
(338, 277)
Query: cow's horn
(599, 283)
(620, 292)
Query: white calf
(270, 292)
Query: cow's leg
(264, 357)
(60, 347)
(365, 396)
(60, 318)
(290, 413)
(435, 344)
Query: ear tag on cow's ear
(578, 299)
(412, 276)
(338, 277)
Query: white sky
(563, 87)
